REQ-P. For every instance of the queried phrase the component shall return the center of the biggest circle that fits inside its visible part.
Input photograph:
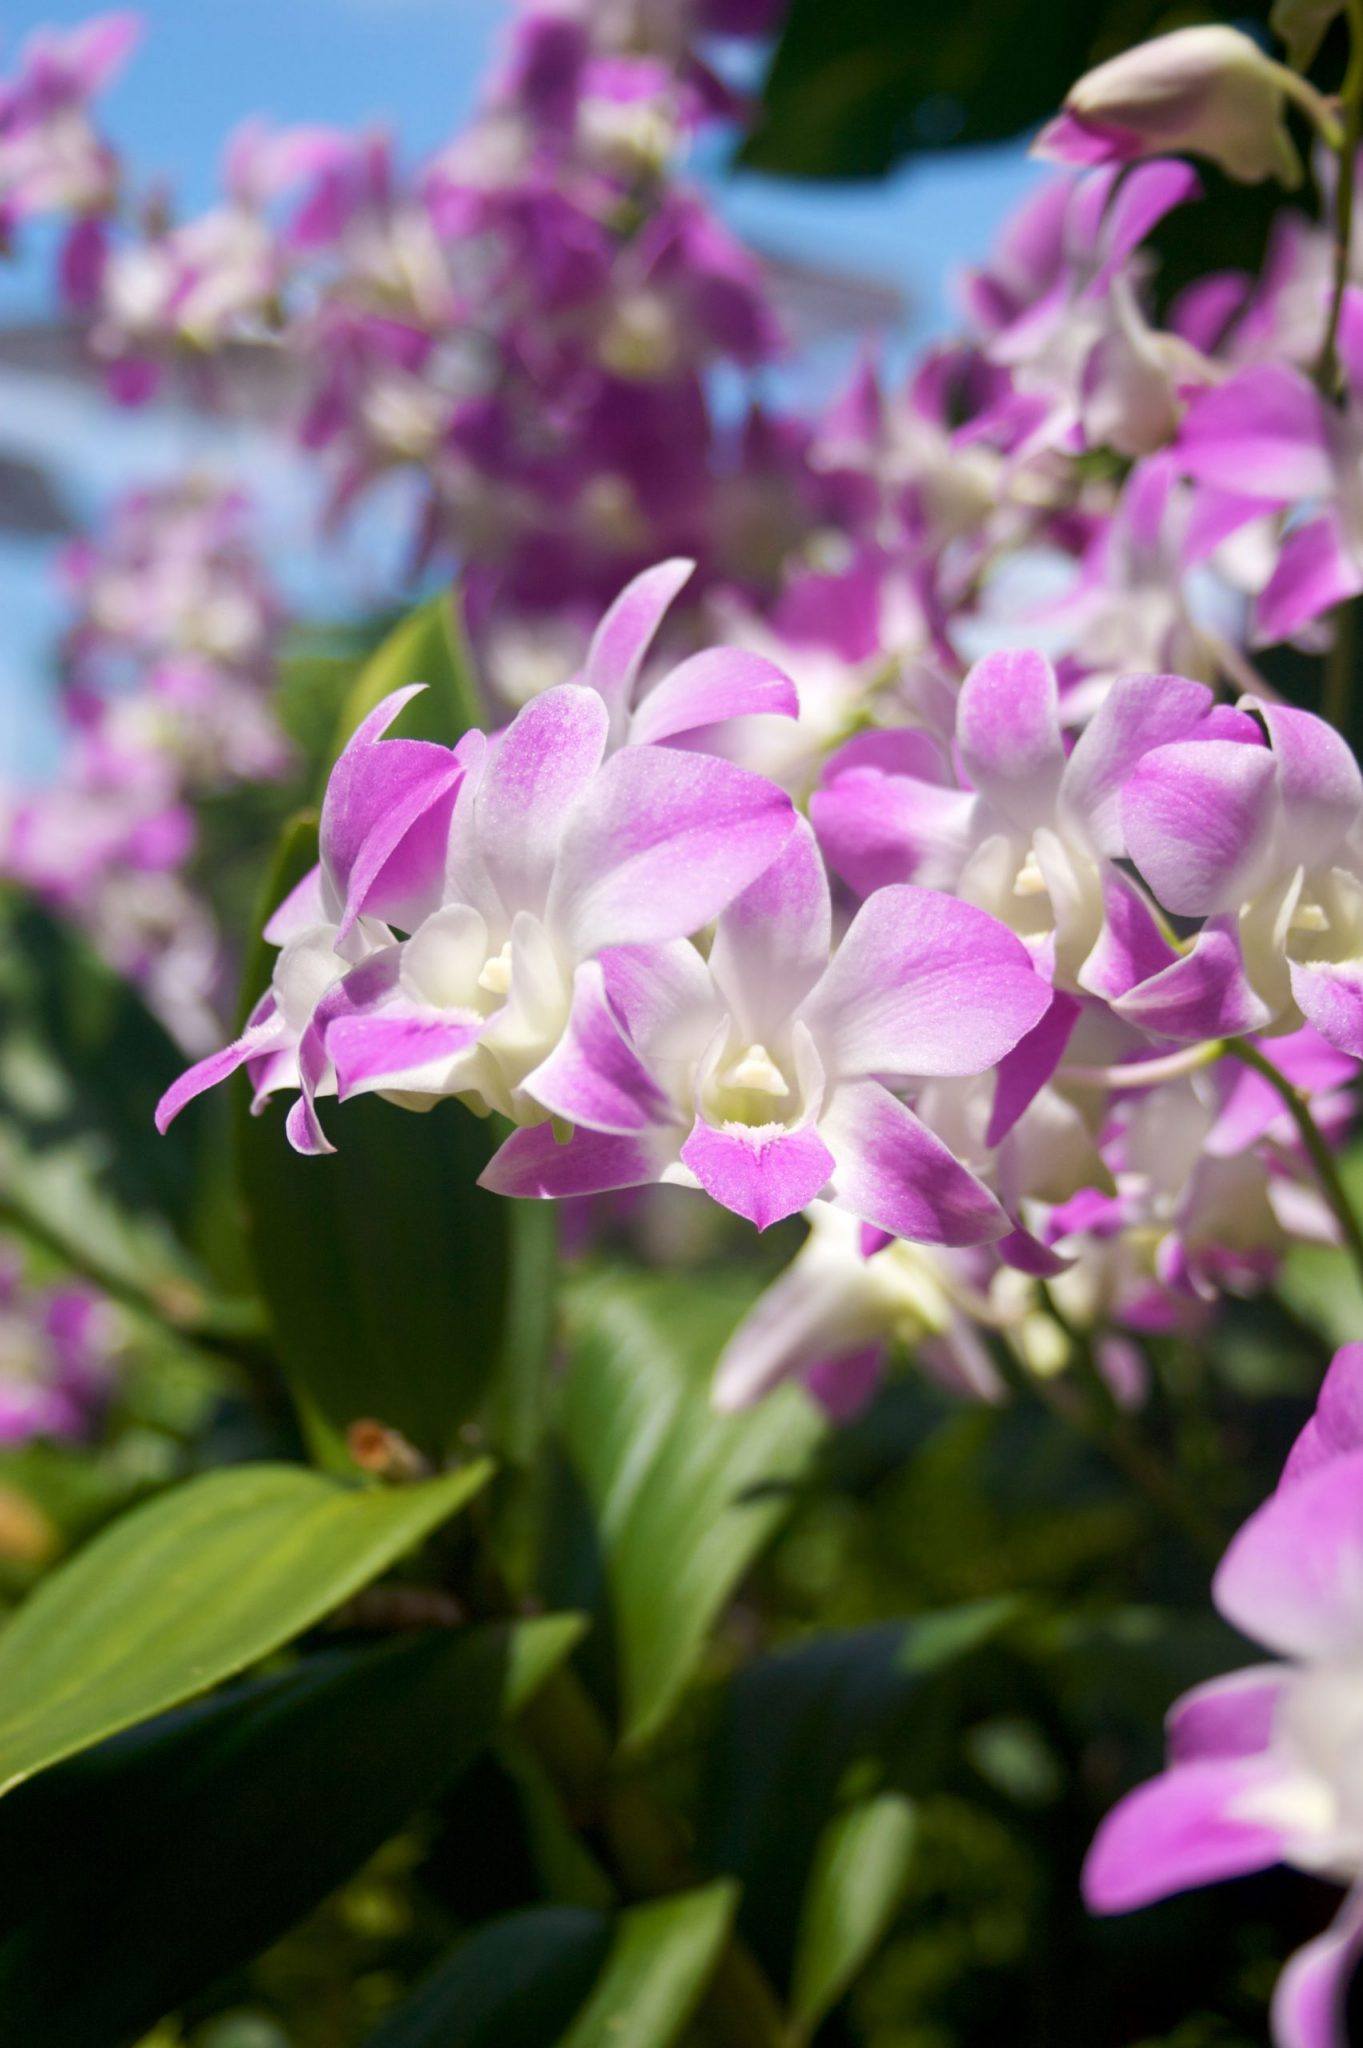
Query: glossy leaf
(428, 646)
(859, 1871)
(82, 1063)
(675, 1500)
(134, 1876)
(793, 1726)
(397, 1289)
(661, 1957)
(190, 1588)
(516, 1983)
(573, 1977)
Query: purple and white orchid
(760, 1074)
(1266, 1764)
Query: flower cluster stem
(1313, 1140)
(1346, 161)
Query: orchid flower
(760, 1074)
(845, 1298)
(1264, 1763)
(509, 868)
(1026, 833)
(1253, 828)
(1270, 437)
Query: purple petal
(396, 1047)
(924, 985)
(895, 1174)
(1204, 994)
(207, 1073)
(1310, 2003)
(1137, 714)
(1265, 433)
(1197, 819)
(1226, 1717)
(764, 1175)
(667, 841)
(1139, 203)
(625, 634)
(1029, 1066)
(1130, 949)
(771, 944)
(1315, 571)
(377, 792)
(302, 907)
(665, 998)
(540, 768)
(712, 687)
(1322, 789)
(876, 829)
(1330, 996)
(533, 1165)
(1293, 1575)
(1008, 731)
(1177, 1831)
(1337, 1425)
(593, 1076)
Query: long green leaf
(191, 1588)
(793, 1726)
(398, 1290)
(572, 1977)
(678, 1500)
(134, 1876)
(660, 1960)
(82, 1063)
(859, 1871)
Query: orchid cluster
(948, 1015)
(525, 324)
(166, 673)
(59, 1351)
(54, 161)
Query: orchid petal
(893, 998)
(763, 1174)
(896, 1174)
(667, 841)
(1008, 731)
(1293, 1575)
(1177, 1831)
(1198, 819)
(709, 689)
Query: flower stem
(1346, 155)
(1317, 1149)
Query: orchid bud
(1210, 91)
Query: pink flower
(1265, 1763)
(761, 1074)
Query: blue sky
(415, 65)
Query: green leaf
(189, 1589)
(516, 1983)
(572, 1977)
(134, 1876)
(427, 647)
(798, 1729)
(678, 1499)
(859, 1872)
(661, 1958)
(398, 1290)
(82, 1065)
